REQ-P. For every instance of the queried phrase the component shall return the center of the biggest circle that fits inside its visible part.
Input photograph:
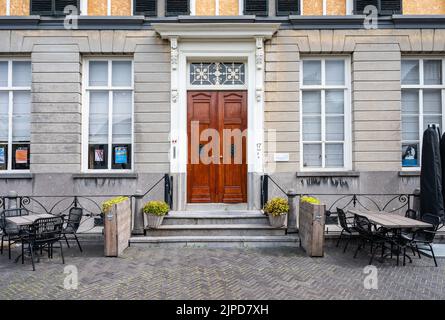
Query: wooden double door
(217, 166)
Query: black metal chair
(10, 232)
(42, 234)
(347, 228)
(369, 233)
(423, 236)
(72, 225)
(412, 214)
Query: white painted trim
(8, 7)
(216, 30)
(301, 7)
(347, 142)
(349, 7)
(108, 7)
(420, 89)
(325, 9)
(10, 89)
(213, 50)
(84, 7)
(86, 89)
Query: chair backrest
(8, 213)
(363, 225)
(428, 234)
(46, 229)
(342, 219)
(74, 218)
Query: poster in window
(21, 155)
(2, 155)
(98, 155)
(409, 155)
(120, 155)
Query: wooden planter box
(117, 228)
(311, 228)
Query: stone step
(216, 241)
(209, 207)
(216, 230)
(203, 218)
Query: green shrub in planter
(155, 210)
(277, 210)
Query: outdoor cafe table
(28, 219)
(391, 221)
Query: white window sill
(345, 173)
(105, 175)
(16, 175)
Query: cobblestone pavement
(200, 273)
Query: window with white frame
(325, 113)
(422, 103)
(15, 114)
(108, 127)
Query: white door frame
(243, 51)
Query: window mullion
(10, 114)
(323, 128)
(110, 114)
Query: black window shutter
(52, 7)
(390, 6)
(287, 7)
(384, 6)
(61, 4)
(43, 7)
(145, 7)
(256, 7)
(176, 7)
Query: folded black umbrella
(431, 196)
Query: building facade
(334, 95)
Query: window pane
(334, 155)
(311, 72)
(122, 102)
(335, 128)
(410, 71)
(410, 128)
(21, 73)
(410, 101)
(98, 73)
(410, 155)
(432, 102)
(122, 73)
(98, 127)
(432, 71)
(312, 128)
(312, 155)
(21, 117)
(335, 72)
(335, 101)
(4, 110)
(437, 120)
(3, 74)
(311, 102)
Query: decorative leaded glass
(217, 73)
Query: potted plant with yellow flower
(155, 212)
(277, 210)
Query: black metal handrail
(168, 189)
